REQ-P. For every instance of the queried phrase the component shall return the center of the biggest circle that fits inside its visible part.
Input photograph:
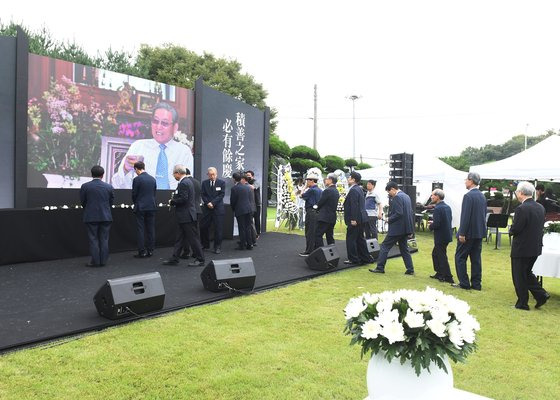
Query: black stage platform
(46, 300)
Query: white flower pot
(391, 380)
(551, 241)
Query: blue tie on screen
(162, 180)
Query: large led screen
(81, 116)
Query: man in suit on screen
(97, 197)
(144, 200)
(401, 227)
(526, 246)
(472, 229)
(213, 211)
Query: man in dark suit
(97, 198)
(441, 225)
(311, 195)
(144, 199)
(185, 210)
(355, 217)
(472, 229)
(326, 209)
(213, 192)
(253, 230)
(198, 206)
(401, 227)
(240, 201)
(258, 202)
(527, 232)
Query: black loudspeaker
(411, 191)
(235, 274)
(136, 294)
(323, 258)
(373, 248)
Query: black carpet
(46, 300)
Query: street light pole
(354, 98)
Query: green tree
(306, 152)
(332, 163)
(362, 165)
(301, 165)
(350, 163)
(278, 147)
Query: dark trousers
(388, 244)
(441, 264)
(257, 218)
(324, 228)
(310, 225)
(371, 228)
(186, 245)
(472, 249)
(244, 227)
(98, 237)
(356, 247)
(188, 232)
(525, 281)
(146, 230)
(211, 219)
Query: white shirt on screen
(177, 153)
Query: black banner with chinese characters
(230, 136)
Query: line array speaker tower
(323, 258)
(402, 166)
(136, 294)
(237, 274)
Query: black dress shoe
(217, 250)
(458, 286)
(303, 254)
(436, 276)
(170, 261)
(196, 264)
(349, 262)
(447, 280)
(249, 247)
(184, 256)
(142, 254)
(525, 308)
(205, 248)
(408, 272)
(149, 253)
(377, 270)
(542, 301)
(89, 264)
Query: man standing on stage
(240, 201)
(373, 209)
(184, 201)
(527, 232)
(355, 217)
(96, 197)
(258, 203)
(311, 195)
(253, 230)
(197, 205)
(469, 236)
(326, 208)
(441, 225)
(401, 227)
(213, 192)
(144, 199)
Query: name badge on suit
(218, 189)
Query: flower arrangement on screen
(64, 133)
(131, 130)
(420, 326)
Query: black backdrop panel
(229, 136)
(7, 120)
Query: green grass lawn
(287, 343)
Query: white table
(548, 263)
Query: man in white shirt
(159, 154)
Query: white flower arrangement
(420, 326)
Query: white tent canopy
(539, 162)
(427, 170)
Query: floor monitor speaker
(323, 258)
(233, 274)
(373, 247)
(130, 295)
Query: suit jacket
(183, 200)
(144, 192)
(441, 224)
(252, 199)
(355, 206)
(473, 215)
(240, 199)
(327, 205)
(214, 195)
(401, 220)
(97, 198)
(197, 194)
(527, 229)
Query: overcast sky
(434, 76)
